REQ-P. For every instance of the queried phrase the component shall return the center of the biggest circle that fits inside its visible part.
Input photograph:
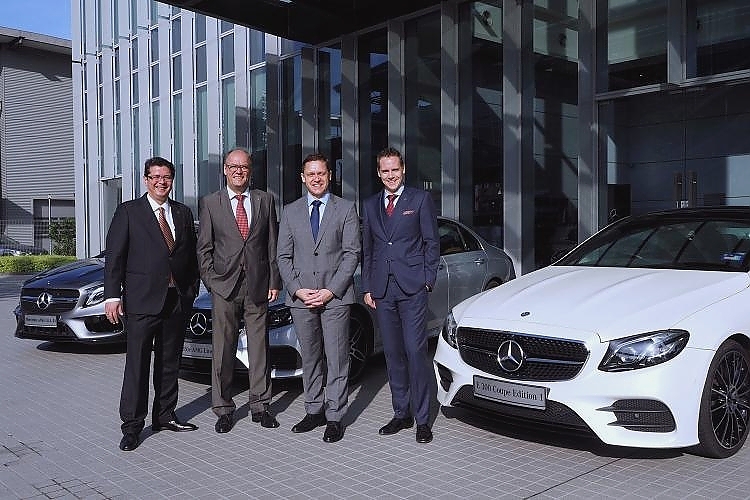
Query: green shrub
(30, 264)
(62, 232)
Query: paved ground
(59, 431)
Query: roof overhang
(308, 21)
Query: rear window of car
(722, 245)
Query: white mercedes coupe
(641, 334)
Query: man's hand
(314, 298)
(369, 300)
(113, 310)
(272, 294)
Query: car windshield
(699, 244)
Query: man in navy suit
(151, 278)
(401, 250)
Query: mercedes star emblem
(44, 300)
(510, 356)
(198, 324)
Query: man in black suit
(401, 251)
(151, 280)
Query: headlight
(643, 350)
(279, 316)
(450, 329)
(96, 295)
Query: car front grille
(60, 332)
(60, 300)
(555, 414)
(545, 359)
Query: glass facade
(520, 118)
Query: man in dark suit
(237, 258)
(151, 276)
(318, 252)
(401, 250)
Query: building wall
(36, 138)
(533, 121)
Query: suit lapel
(152, 225)
(255, 212)
(178, 217)
(327, 216)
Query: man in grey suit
(318, 252)
(237, 257)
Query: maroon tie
(242, 217)
(390, 207)
(168, 239)
(165, 231)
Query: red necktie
(390, 207)
(242, 217)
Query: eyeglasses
(157, 178)
(235, 168)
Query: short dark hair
(387, 153)
(226, 155)
(315, 157)
(157, 161)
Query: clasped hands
(314, 298)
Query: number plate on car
(40, 320)
(195, 350)
(530, 396)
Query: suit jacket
(138, 259)
(330, 261)
(223, 254)
(405, 245)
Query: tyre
(725, 403)
(492, 283)
(360, 342)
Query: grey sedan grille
(57, 300)
(545, 359)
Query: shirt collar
(398, 192)
(155, 204)
(232, 194)
(323, 199)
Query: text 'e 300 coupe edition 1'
(641, 334)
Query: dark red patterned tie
(165, 231)
(168, 238)
(241, 215)
(390, 207)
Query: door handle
(479, 261)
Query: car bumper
(286, 357)
(655, 407)
(67, 328)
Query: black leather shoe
(129, 441)
(424, 433)
(225, 423)
(334, 432)
(265, 419)
(396, 424)
(173, 425)
(310, 422)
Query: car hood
(203, 300)
(74, 275)
(609, 302)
